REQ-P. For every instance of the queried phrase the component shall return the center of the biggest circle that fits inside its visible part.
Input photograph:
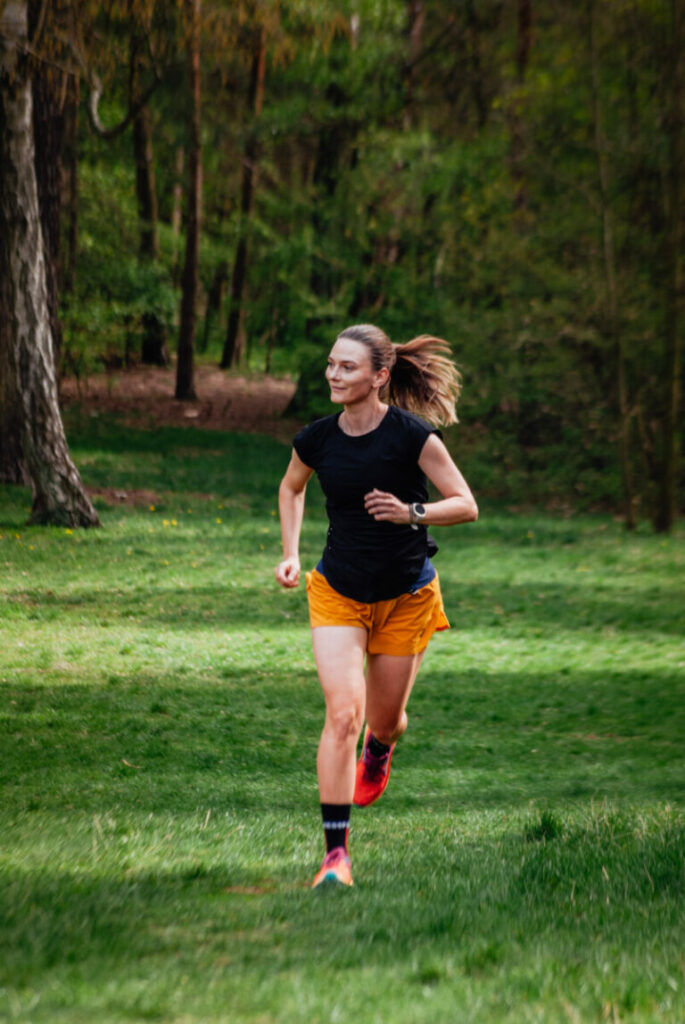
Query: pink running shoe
(372, 774)
(335, 869)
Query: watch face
(419, 510)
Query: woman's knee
(388, 727)
(345, 721)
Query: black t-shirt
(364, 559)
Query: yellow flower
(152, 508)
(68, 530)
(218, 520)
(174, 523)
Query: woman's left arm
(457, 505)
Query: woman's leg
(389, 682)
(339, 655)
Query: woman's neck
(362, 418)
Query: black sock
(336, 824)
(376, 748)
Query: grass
(159, 814)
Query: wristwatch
(417, 513)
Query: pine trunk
(234, 344)
(58, 494)
(146, 190)
(612, 305)
(665, 509)
(185, 385)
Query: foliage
(159, 815)
(447, 189)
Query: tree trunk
(667, 465)
(234, 344)
(215, 299)
(524, 34)
(177, 209)
(415, 19)
(12, 464)
(71, 183)
(614, 329)
(146, 192)
(185, 385)
(49, 93)
(58, 494)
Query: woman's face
(350, 374)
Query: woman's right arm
(291, 510)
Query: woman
(374, 598)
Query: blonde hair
(423, 377)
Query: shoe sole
(331, 881)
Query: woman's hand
(287, 572)
(386, 507)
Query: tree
(185, 386)
(27, 359)
(614, 329)
(666, 497)
(234, 333)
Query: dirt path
(143, 397)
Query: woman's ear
(382, 377)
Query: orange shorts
(402, 626)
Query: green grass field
(159, 819)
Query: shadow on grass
(233, 601)
(148, 741)
(448, 908)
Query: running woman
(374, 598)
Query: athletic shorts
(401, 626)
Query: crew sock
(376, 748)
(336, 825)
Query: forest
(237, 180)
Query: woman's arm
(291, 510)
(457, 506)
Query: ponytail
(424, 380)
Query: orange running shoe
(335, 869)
(372, 774)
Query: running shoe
(372, 774)
(334, 870)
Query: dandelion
(174, 523)
(218, 520)
(165, 522)
(152, 508)
(68, 531)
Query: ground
(144, 396)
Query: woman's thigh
(339, 656)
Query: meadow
(160, 712)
